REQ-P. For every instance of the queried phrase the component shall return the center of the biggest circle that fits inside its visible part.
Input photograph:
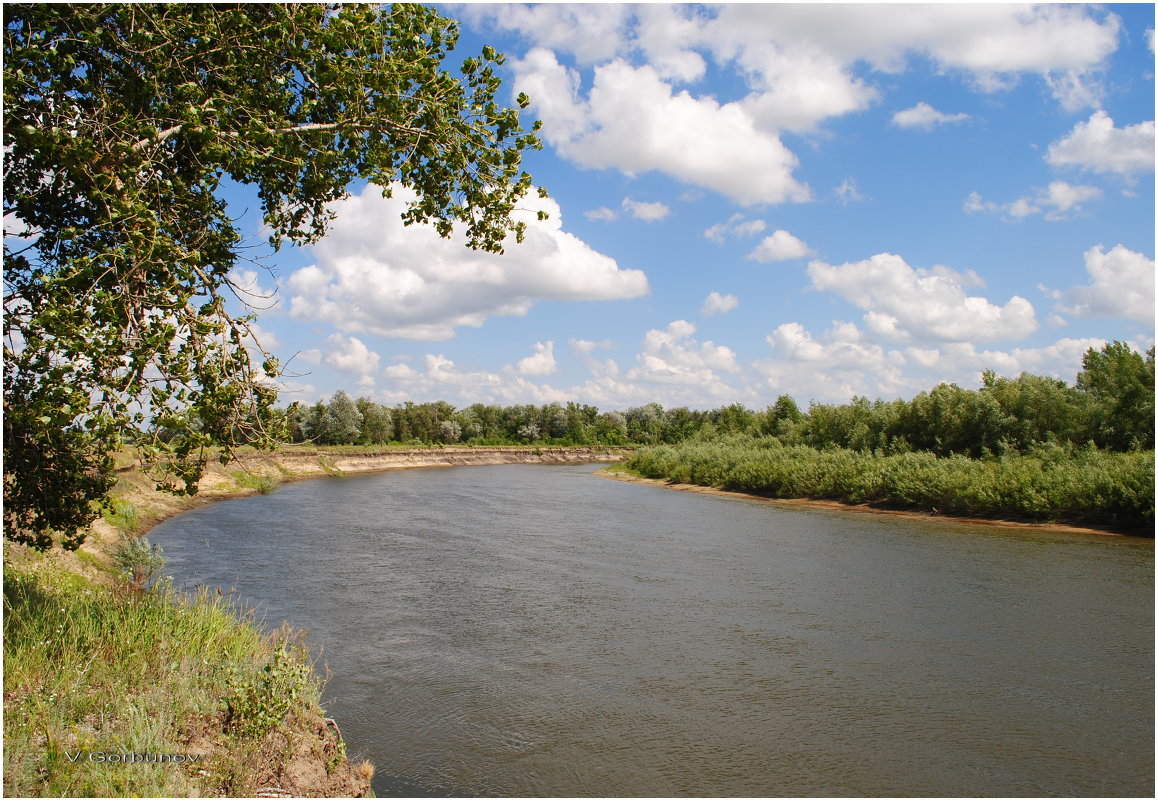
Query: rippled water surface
(532, 630)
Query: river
(540, 631)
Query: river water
(540, 631)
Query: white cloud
(842, 363)
(350, 355)
(925, 116)
(602, 214)
(1122, 287)
(715, 303)
(1098, 146)
(671, 356)
(592, 32)
(802, 64)
(847, 192)
(541, 362)
(1055, 202)
(736, 226)
(962, 362)
(373, 274)
(831, 369)
(780, 246)
(633, 121)
(648, 212)
(904, 303)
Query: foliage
(1121, 382)
(121, 121)
(1050, 482)
(138, 562)
(1111, 404)
(123, 515)
(260, 703)
(256, 481)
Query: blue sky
(755, 200)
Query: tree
(1121, 383)
(377, 424)
(120, 123)
(344, 420)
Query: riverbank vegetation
(1030, 448)
(1049, 483)
(187, 690)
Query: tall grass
(89, 669)
(1050, 483)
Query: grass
(1051, 483)
(123, 516)
(93, 669)
(259, 482)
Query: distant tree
(645, 423)
(611, 428)
(345, 421)
(1121, 383)
(734, 418)
(318, 424)
(377, 424)
(449, 431)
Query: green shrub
(1051, 482)
(138, 562)
(258, 704)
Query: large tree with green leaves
(121, 122)
(1121, 382)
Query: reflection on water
(531, 630)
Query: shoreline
(283, 466)
(811, 503)
(312, 760)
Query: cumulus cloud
(715, 303)
(780, 246)
(1122, 286)
(736, 226)
(1055, 202)
(602, 214)
(247, 285)
(635, 122)
(925, 117)
(592, 32)
(843, 362)
(831, 369)
(541, 362)
(350, 355)
(904, 303)
(963, 362)
(648, 212)
(803, 64)
(375, 275)
(1098, 146)
(672, 356)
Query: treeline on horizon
(1030, 448)
(1110, 406)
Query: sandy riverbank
(808, 503)
(253, 472)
